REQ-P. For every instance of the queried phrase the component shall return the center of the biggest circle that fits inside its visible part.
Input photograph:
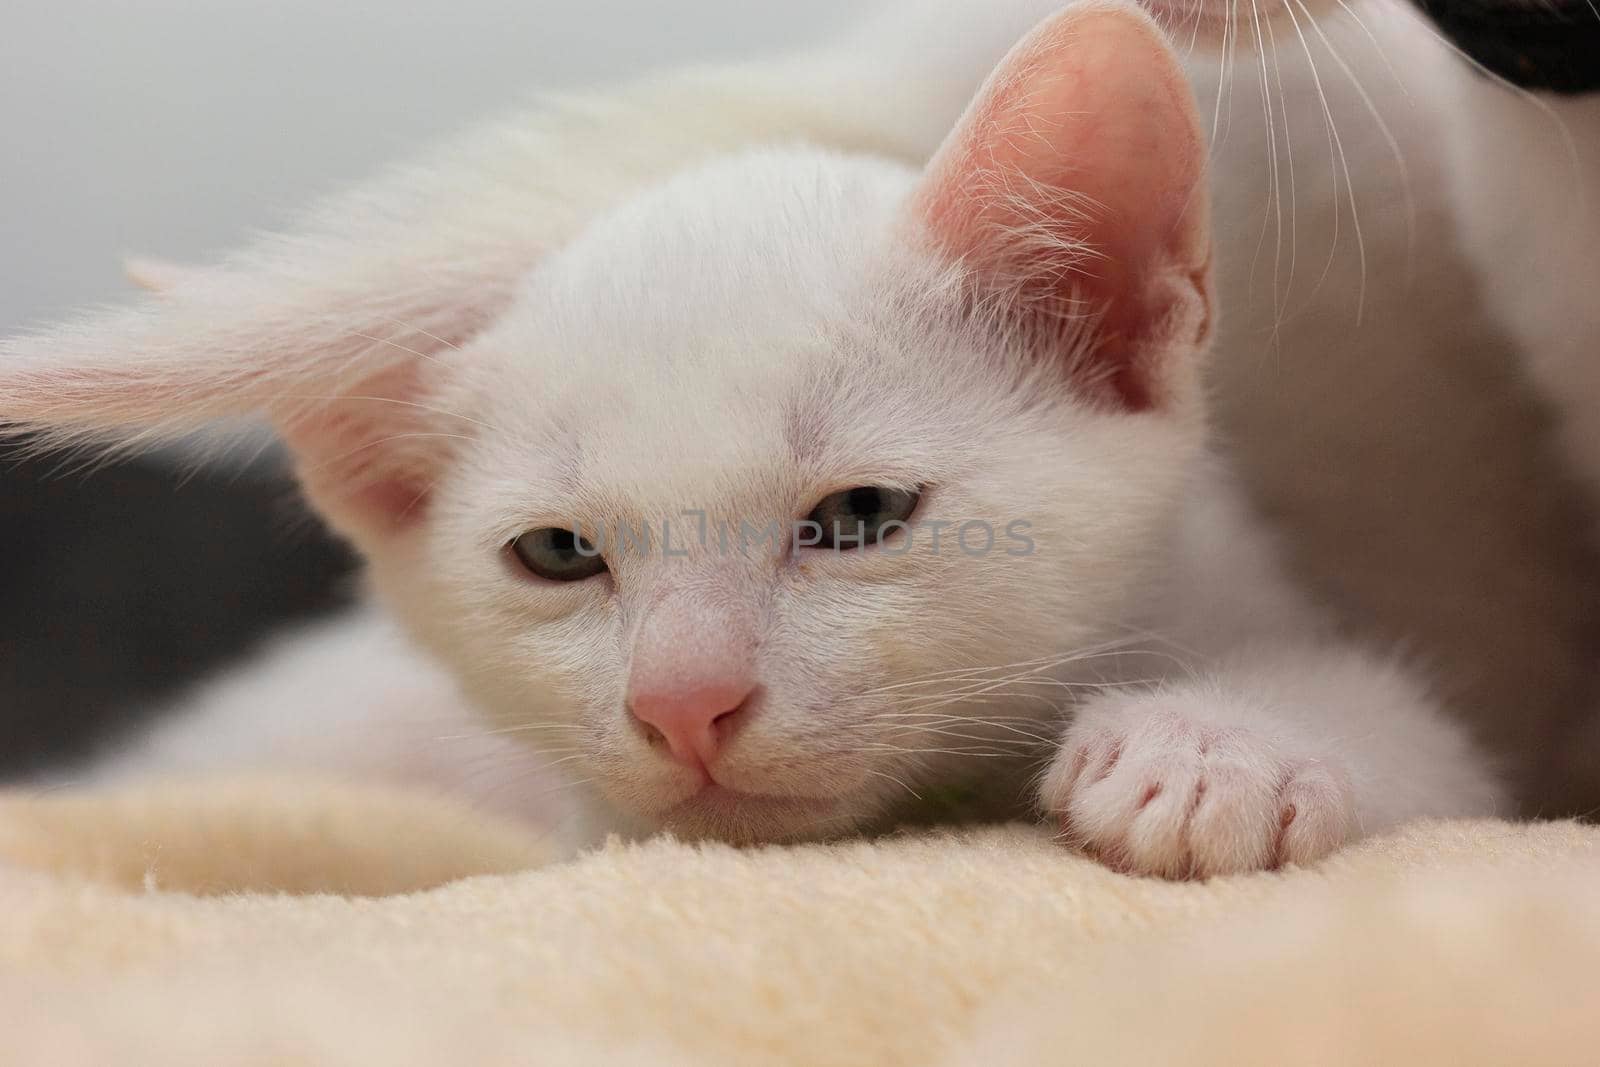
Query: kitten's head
(586, 488)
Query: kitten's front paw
(1150, 788)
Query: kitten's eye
(856, 517)
(558, 555)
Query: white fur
(347, 697)
(1522, 170)
(580, 368)
(1525, 169)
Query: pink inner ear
(367, 458)
(1074, 186)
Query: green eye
(558, 555)
(855, 518)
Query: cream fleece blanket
(274, 923)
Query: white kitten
(562, 325)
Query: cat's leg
(346, 699)
(344, 696)
(1278, 754)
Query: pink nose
(693, 717)
(693, 669)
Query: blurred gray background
(176, 128)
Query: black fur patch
(1551, 45)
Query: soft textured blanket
(269, 923)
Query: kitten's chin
(722, 814)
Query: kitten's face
(1005, 340)
(745, 342)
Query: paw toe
(1315, 815)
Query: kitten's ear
(341, 347)
(1073, 194)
